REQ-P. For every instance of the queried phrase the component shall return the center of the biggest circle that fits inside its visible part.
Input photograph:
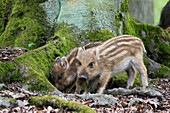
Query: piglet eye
(60, 76)
(91, 65)
(79, 63)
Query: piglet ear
(97, 53)
(80, 49)
(57, 59)
(64, 62)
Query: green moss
(34, 67)
(5, 11)
(58, 102)
(163, 72)
(121, 79)
(100, 35)
(153, 33)
(37, 67)
(16, 76)
(121, 18)
(23, 23)
(127, 25)
(12, 100)
(6, 69)
(66, 39)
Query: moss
(121, 18)
(163, 72)
(12, 100)
(121, 79)
(33, 68)
(16, 76)
(127, 25)
(155, 33)
(5, 11)
(98, 35)
(58, 102)
(6, 69)
(66, 38)
(23, 23)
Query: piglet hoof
(75, 92)
(144, 87)
(86, 93)
(129, 87)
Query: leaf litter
(123, 104)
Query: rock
(134, 91)
(7, 102)
(149, 101)
(57, 92)
(101, 99)
(22, 103)
(1, 86)
(18, 95)
(155, 69)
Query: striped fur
(64, 69)
(122, 53)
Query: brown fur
(112, 57)
(64, 69)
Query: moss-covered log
(58, 102)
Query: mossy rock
(155, 39)
(23, 22)
(120, 80)
(155, 69)
(8, 102)
(33, 68)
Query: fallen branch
(58, 102)
(135, 91)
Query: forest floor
(125, 104)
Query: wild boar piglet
(122, 53)
(64, 70)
